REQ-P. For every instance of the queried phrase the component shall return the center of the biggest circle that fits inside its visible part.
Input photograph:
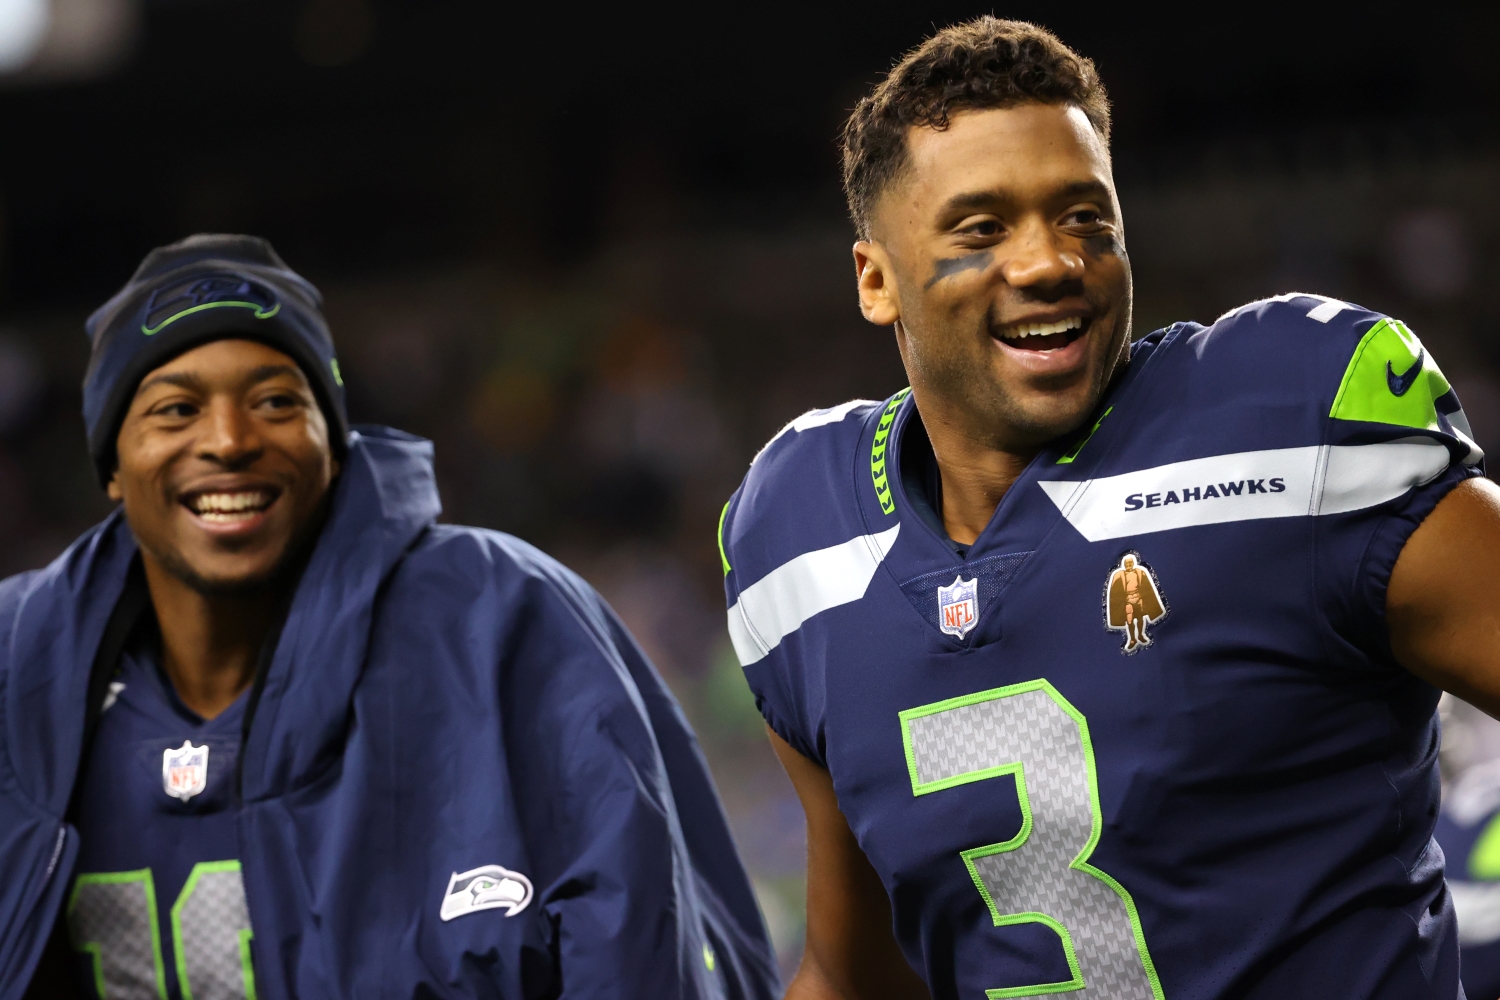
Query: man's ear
(878, 299)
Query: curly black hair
(984, 63)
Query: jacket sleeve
(739, 946)
(644, 890)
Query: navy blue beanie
(207, 287)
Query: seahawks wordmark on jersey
(1243, 805)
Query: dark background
(599, 254)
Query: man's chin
(218, 577)
(1040, 425)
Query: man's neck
(975, 476)
(209, 642)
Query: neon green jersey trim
(333, 366)
(723, 558)
(261, 312)
(247, 968)
(1072, 454)
(1387, 353)
(708, 957)
(1033, 917)
(877, 452)
(93, 949)
(1080, 863)
(1040, 989)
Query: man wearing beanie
(269, 730)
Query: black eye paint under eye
(1105, 243)
(950, 266)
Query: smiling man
(1105, 668)
(269, 730)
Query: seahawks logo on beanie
(212, 291)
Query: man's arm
(851, 953)
(1443, 601)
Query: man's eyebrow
(271, 371)
(1080, 188)
(971, 200)
(183, 380)
(193, 382)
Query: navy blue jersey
(158, 905)
(1468, 831)
(1145, 737)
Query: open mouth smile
(1043, 337)
(230, 507)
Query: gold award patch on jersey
(1133, 601)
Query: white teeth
(216, 517)
(222, 508)
(1042, 329)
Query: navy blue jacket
(441, 698)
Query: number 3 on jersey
(1041, 875)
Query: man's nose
(230, 437)
(1034, 257)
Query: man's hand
(1443, 602)
(851, 953)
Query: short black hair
(984, 63)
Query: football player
(1105, 666)
(270, 730)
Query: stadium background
(599, 255)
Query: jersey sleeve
(1395, 441)
(795, 504)
(769, 671)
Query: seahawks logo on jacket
(487, 887)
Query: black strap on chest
(130, 611)
(262, 668)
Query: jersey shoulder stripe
(1373, 366)
(1323, 308)
(792, 538)
(778, 603)
(820, 417)
(1247, 486)
(796, 496)
(1297, 405)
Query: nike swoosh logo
(1400, 383)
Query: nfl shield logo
(184, 771)
(958, 606)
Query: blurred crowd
(605, 410)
